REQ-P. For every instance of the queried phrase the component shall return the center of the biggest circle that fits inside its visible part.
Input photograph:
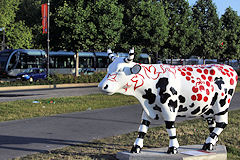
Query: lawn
(188, 132)
(22, 109)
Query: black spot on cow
(192, 105)
(222, 113)
(157, 117)
(149, 96)
(205, 109)
(172, 105)
(174, 92)
(219, 82)
(223, 101)
(214, 99)
(182, 109)
(196, 111)
(230, 92)
(210, 111)
(181, 99)
(164, 97)
(225, 90)
(181, 115)
(157, 108)
(162, 84)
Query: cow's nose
(105, 87)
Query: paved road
(46, 93)
(22, 137)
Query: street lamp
(3, 42)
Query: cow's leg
(211, 123)
(138, 144)
(221, 119)
(173, 142)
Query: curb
(54, 86)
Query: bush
(59, 79)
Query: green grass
(188, 132)
(22, 109)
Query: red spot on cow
(205, 99)
(236, 77)
(189, 68)
(229, 100)
(222, 94)
(226, 70)
(212, 88)
(207, 91)
(223, 73)
(231, 73)
(212, 72)
(231, 81)
(195, 89)
(208, 83)
(205, 71)
(188, 78)
(201, 88)
(210, 79)
(199, 70)
(203, 76)
(193, 81)
(183, 74)
(199, 97)
(184, 69)
(179, 69)
(228, 74)
(188, 73)
(194, 97)
(231, 69)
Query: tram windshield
(4, 58)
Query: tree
(149, 27)
(89, 26)
(231, 27)
(8, 10)
(183, 33)
(19, 35)
(130, 11)
(205, 16)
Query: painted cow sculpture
(168, 92)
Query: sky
(222, 5)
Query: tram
(16, 61)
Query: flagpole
(48, 38)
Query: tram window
(143, 60)
(85, 62)
(13, 62)
(102, 62)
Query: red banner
(45, 18)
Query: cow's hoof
(208, 146)
(136, 149)
(172, 150)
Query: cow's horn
(111, 55)
(130, 56)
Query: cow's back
(193, 89)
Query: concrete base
(220, 153)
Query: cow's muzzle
(104, 89)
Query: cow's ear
(135, 69)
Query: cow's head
(119, 74)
